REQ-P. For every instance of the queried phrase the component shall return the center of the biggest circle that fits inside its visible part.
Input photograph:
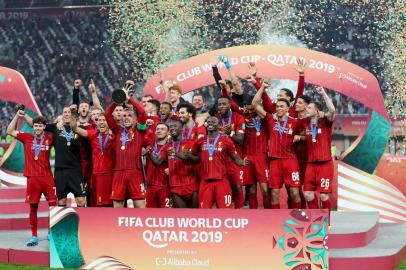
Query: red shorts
(215, 191)
(158, 197)
(284, 171)
(38, 185)
(235, 173)
(101, 188)
(302, 167)
(185, 191)
(128, 184)
(258, 170)
(319, 176)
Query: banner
(279, 62)
(104, 238)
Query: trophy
(20, 107)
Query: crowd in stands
(52, 52)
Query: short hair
(306, 98)
(189, 108)
(176, 87)
(164, 124)
(198, 95)
(289, 93)
(176, 121)
(39, 120)
(226, 97)
(84, 101)
(168, 104)
(148, 95)
(155, 102)
(318, 105)
(284, 100)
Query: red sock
(313, 204)
(302, 199)
(51, 204)
(276, 206)
(296, 205)
(266, 201)
(33, 218)
(253, 201)
(239, 199)
(326, 204)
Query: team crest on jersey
(232, 126)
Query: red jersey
(128, 143)
(320, 150)
(41, 166)
(270, 106)
(85, 145)
(103, 161)
(181, 172)
(236, 122)
(281, 137)
(193, 134)
(156, 174)
(150, 132)
(255, 141)
(217, 167)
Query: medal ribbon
(37, 148)
(280, 128)
(189, 132)
(156, 152)
(69, 135)
(123, 137)
(102, 144)
(313, 127)
(177, 149)
(257, 124)
(229, 119)
(210, 148)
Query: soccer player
(301, 146)
(187, 114)
(37, 169)
(320, 168)
(214, 151)
(232, 125)
(158, 194)
(103, 156)
(284, 93)
(283, 131)
(68, 173)
(118, 114)
(144, 101)
(182, 178)
(128, 176)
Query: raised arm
(109, 117)
(330, 106)
(301, 64)
(75, 96)
(28, 119)
(74, 125)
(11, 129)
(216, 74)
(141, 115)
(256, 102)
(95, 98)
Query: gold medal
(123, 147)
(35, 158)
(210, 158)
(258, 133)
(313, 140)
(68, 143)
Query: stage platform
(356, 241)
